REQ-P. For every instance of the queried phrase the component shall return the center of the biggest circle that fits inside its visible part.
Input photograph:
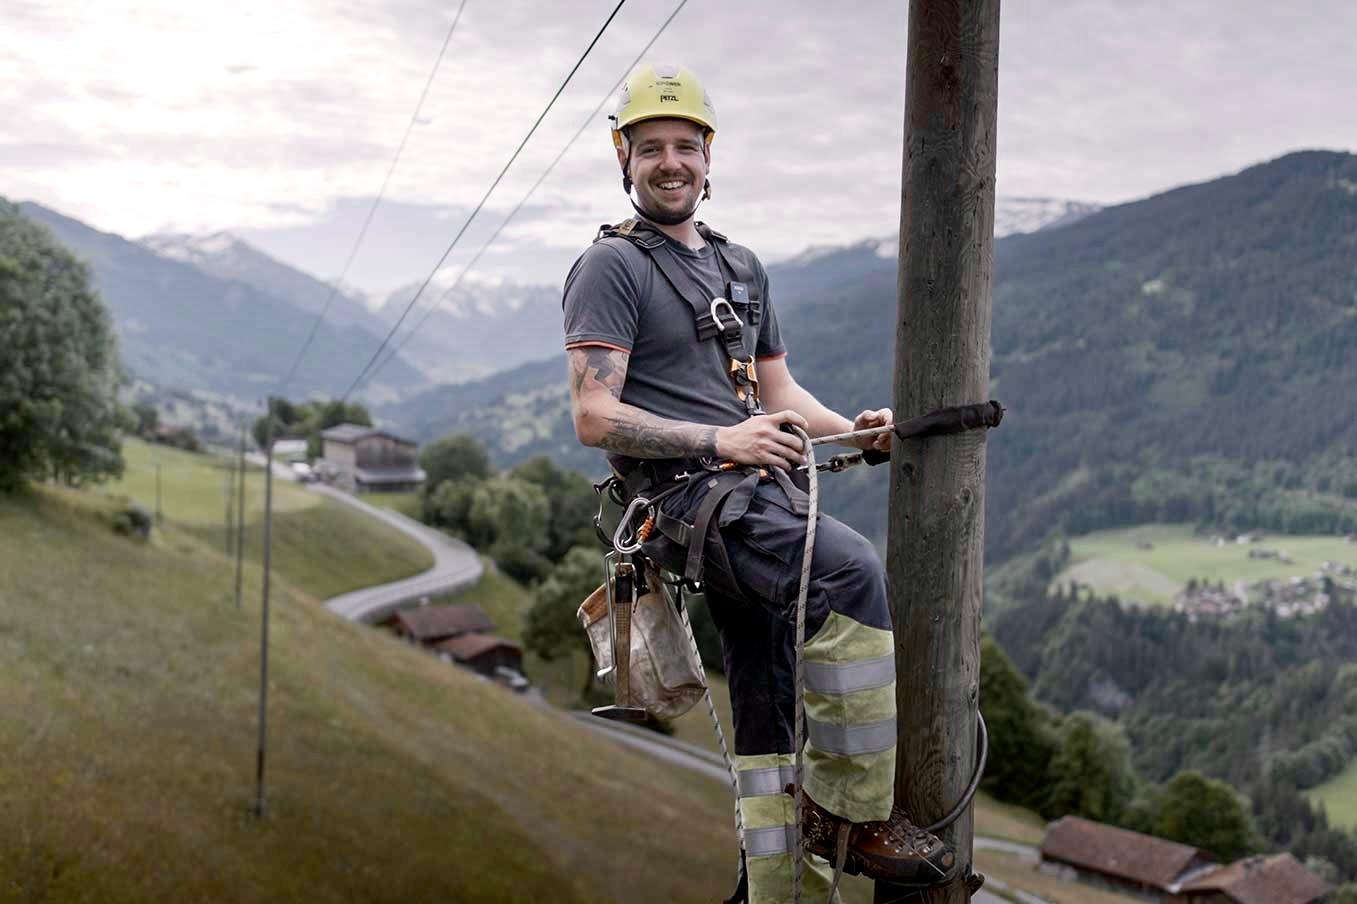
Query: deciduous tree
(454, 456)
(1205, 813)
(552, 630)
(58, 383)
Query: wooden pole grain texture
(936, 532)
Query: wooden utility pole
(936, 535)
(228, 478)
(262, 746)
(240, 517)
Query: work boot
(894, 850)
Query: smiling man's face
(669, 165)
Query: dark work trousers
(850, 667)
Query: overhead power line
(588, 121)
(376, 202)
(493, 185)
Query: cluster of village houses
(1152, 869)
(1288, 598)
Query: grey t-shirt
(615, 295)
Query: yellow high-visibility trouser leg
(849, 759)
(850, 719)
(768, 815)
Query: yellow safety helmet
(662, 92)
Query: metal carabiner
(716, 303)
(627, 547)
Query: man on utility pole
(935, 545)
(665, 320)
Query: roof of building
(429, 623)
(289, 446)
(1118, 852)
(352, 433)
(469, 646)
(380, 476)
(1279, 879)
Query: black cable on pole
(376, 202)
(588, 121)
(428, 279)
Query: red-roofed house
(460, 634)
(1171, 873)
(1279, 879)
(483, 653)
(430, 624)
(1119, 858)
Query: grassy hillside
(320, 545)
(128, 681)
(1152, 563)
(1339, 797)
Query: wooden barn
(1119, 859)
(483, 653)
(1279, 879)
(363, 459)
(462, 634)
(1153, 869)
(426, 625)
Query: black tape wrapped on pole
(944, 421)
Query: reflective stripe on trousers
(850, 719)
(769, 816)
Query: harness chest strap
(714, 318)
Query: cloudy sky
(277, 119)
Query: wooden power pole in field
(936, 535)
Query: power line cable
(588, 121)
(493, 185)
(376, 202)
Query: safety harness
(715, 318)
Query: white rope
(813, 491)
(715, 724)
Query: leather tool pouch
(666, 678)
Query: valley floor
(1152, 563)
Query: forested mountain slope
(180, 327)
(1183, 357)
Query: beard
(666, 211)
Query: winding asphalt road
(455, 565)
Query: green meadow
(1339, 796)
(321, 545)
(1152, 563)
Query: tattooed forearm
(640, 434)
(597, 375)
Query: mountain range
(213, 316)
(1179, 358)
(181, 326)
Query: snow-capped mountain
(226, 256)
(481, 327)
(1011, 216)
